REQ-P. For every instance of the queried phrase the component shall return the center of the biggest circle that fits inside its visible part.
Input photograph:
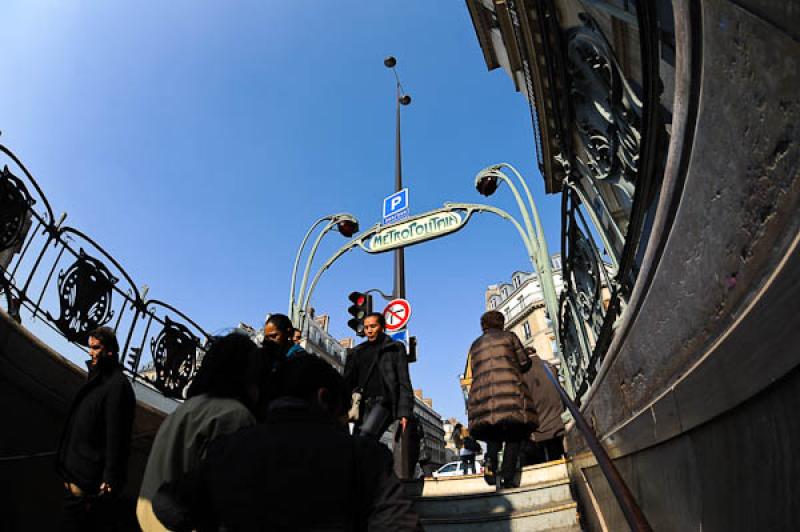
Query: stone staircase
(543, 502)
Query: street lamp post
(401, 98)
(344, 223)
(486, 182)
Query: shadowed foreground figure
(219, 401)
(299, 470)
(93, 452)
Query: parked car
(455, 469)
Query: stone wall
(695, 399)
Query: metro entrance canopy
(435, 224)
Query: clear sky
(198, 140)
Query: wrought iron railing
(586, 299)
(619, 102)
(61, 277)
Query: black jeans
(468, 463)
(510, 458)
(376, 418)
(544, 451)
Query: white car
(455, 469)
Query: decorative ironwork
(573, 340)
(15, 202)
(587, 283)
(587, 280)
(85, 294)
(91, 291)
(607, 121)
(174, 355)
(607, 111)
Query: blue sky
(198, 140)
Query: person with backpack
(468, 452)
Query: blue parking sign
(395, 206)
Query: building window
(516, 281)
(526, 328)
(493, 303)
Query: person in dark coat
(279, 330)
(300, 470)
(499, 405)
(546, 442)
(379, 368)
(93, 452)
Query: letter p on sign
(394, 203)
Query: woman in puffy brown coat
(499, 405)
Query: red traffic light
(357, 298)
(362, 305)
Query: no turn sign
(397, 314)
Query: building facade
(433, 428)
(316, 340)
(522, 303)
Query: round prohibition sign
(397, 313)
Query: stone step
(523, 499)
(561, 518)
(471, 484)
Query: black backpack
(471, 445)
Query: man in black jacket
(93, 452)
(299, 470)
(379, 368)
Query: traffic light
(362, 305)
(412, 349)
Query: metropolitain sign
(415, 230)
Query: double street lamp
(345, 224)
(401, 98)
(487, 182)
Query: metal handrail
(627, 503)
